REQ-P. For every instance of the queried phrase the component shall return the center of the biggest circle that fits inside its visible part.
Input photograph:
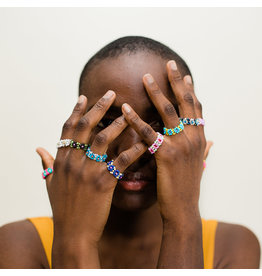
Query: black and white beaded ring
(77, 145)
(193, 122)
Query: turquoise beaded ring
(95, 156)
(46, 172)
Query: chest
(129, 256)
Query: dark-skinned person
(124, 186)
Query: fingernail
(109, 94)
(126, 108)
(81, 99)
(149, 78)
(188, 79)
(173, 65)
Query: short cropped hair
(132, 45)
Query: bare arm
(20, 246)
(236, 247)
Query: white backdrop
(42, 53)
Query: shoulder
(236, 246)
(20, 246)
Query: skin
(160, 227)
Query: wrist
(74, 253)
(183, 223)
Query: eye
(104, 123)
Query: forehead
(124, 76)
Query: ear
(208, 146)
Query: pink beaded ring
(157, 143)
(46, 172)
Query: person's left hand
(180, 157)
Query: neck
(133, 224)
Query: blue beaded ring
(174, 131)
(95, 156)
(112, 169)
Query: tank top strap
(208, 237)
(45, 229)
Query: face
(124, 75)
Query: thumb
(47, 161)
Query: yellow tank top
(44, 227)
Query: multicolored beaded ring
(193, 122)
(46, 172)
(112, 169)
(77, 145)
(174, 131)
(157, 143)
(95, 156)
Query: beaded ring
(157, 143)
(63, 143)
(193, 122)
(46, 172)
(95, 156)
(174, 131)
(77, 145)
(112, 169)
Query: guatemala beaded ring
(46, 172)
(95, 156)
(157, 143)
(77, 145)
(174, 131)
(112, 169)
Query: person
(124, 186)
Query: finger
(209, 144)
(90, 120)
(163, 105)
(145, 131)
(127, 157)
(71, 123)
(108, 135)
(47, 161)
(183, 93)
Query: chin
(133, 201)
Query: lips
(135, 181)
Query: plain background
(42, 53)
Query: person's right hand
(80, 189)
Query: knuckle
(77, 108)
(69, 124)
(169, 109)
(100, 139)
(124, 159)
(83, 123)
(188, 98)
(118, 122)
(100, 104)
(137, 148)
(198, 106)
(134, 119)
(146, 131)
(155, 89)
